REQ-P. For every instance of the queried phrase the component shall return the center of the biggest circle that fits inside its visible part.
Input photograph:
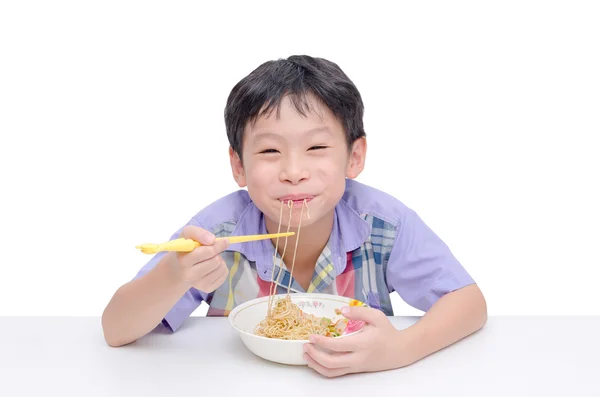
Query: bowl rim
(294, 295)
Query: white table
(511, 356)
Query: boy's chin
(294, 224)
(285, 222)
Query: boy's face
(297, 157)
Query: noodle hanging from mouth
(285, 320)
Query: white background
(481, 116)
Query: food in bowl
(285, 320)
(278, 335)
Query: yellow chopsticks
(188, 245)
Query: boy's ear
(237, 168)
(356, 160)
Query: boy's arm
(420, 266)
(425, 273)
(140, 305)
(453, 317)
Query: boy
(297, 142)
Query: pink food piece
(353, 326)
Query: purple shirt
(377, 246)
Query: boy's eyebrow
(259, 136)
(319, 129)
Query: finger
(220, 278)
(202, 253)
(338, 344)
(206, 281)
(330, 373)
(206, 268)
(328, 359)
(366, 314)
(198, 234)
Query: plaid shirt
(377, 246)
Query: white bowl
(246, 316)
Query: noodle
(273, 287)
(286, 320)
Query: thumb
(364, 313)
(198, 234)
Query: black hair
(297, 76)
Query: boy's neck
(313, 239)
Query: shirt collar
(349, 232)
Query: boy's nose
(293, 172)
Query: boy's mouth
(297, 199)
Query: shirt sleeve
(421, 267)
(189, 302)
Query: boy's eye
(318, 147)
(269, 151)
